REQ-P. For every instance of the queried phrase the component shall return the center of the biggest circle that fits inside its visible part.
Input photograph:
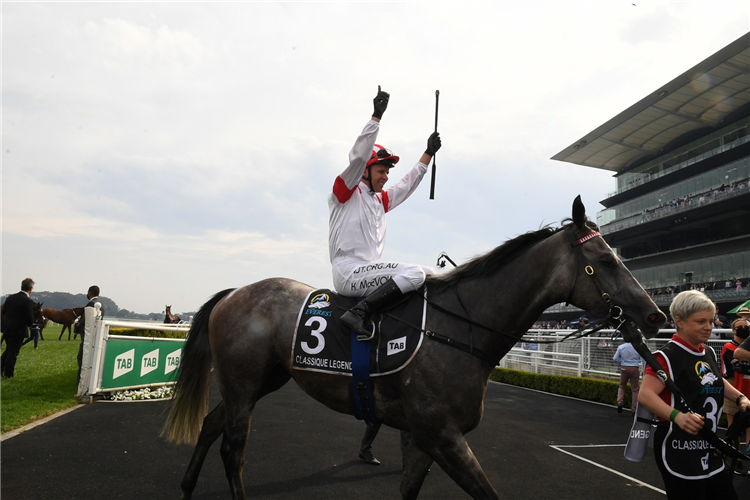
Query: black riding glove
(433, 144)
(380, 103)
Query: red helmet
(382, 155)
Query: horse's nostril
(655, 318)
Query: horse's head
(603, 286)
(38, 314)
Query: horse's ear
(579, 212)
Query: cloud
(167, 151)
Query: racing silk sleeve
(666, 394)
(347, 181)
(396, 194)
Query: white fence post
(91, 317)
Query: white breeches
(358, 278)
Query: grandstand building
(680, 215)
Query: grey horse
(488, 303)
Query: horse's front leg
(213, 426)
(416, 464)
(451, 451)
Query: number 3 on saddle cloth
(322, 343)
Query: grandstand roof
(701, 97)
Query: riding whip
(432, 180)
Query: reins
(615, 313)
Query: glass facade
(725, 182)
(706, 270)
(709, 145)
(695, 186)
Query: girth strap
(361, 387)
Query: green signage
(129, 363)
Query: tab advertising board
(130, 363)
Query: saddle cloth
(322, 343)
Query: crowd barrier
(544, 351)
(118, 362)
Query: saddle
(323, 343)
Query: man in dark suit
(17, 318)
(93, 296)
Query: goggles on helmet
(382, 155)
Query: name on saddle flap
(140, 362)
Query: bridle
(615, 312)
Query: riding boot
(386, 295)
(365, 449)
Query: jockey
(356, 237)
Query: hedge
(589, 389)
(140, 332)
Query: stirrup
(362, 338)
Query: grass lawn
(44, 382)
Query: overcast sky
(166, 151)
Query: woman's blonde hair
(690, 302)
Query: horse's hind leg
(213, 426)
(236, 430)
(62, 332)
(260, 378)
(451, 451)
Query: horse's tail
(189, 404)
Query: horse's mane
(489, 263)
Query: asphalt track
(530, 444)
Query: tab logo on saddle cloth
(323, 344)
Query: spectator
(93, 296)
(719, 320)
(35, 331)
(630, 371)
(741, 381)
(742, 353)
(686, 464)
(18, 316)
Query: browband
(588, 237)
